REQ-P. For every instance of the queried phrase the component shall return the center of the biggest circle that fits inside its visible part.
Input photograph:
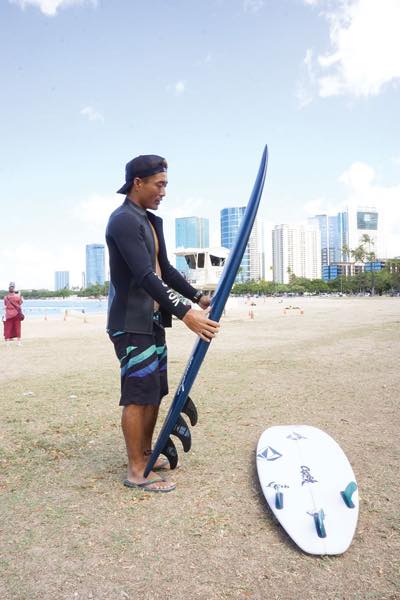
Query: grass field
(70, 530)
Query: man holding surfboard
(142, 300)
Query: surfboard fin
(279, 500)
(191, 411)
(171, 453)
(182, 431)
(319, 523)
(348, 493)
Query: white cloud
(364, 54)
(320, 206)
(33, 265)
(177, 88)
(95, 211)
(92, 114)
(304, 93)
(50, 7)
(252, 5)
(358, 177)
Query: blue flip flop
(145, 485)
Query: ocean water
(55, 307)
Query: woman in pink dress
(12, 314)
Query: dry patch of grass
(70, 530)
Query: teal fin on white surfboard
(347, 494)
(279, 500)
(319, 523)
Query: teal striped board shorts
(143, 362)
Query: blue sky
(86, 86)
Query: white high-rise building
(250, 267)
(296, 250)
(267, 250)
(255, 252)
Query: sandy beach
(70, 530)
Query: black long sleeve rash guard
(134, 284)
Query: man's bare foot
(161, 464)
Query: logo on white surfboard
(269, 454)
(296, 436)
(277, 486)
(306, 476)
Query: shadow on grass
(265, 508)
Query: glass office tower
(61, 280)
(190, 232)
(230, 223)
(334, 234)
(95, 266)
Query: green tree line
(386, 281)
(93, 291)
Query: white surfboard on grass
(310, 486)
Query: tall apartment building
(296, 250)
(256, 253)
(61, 280)
(334, 234)
(95, 265)
(251, 265)
(190, 232)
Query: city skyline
(315, 79)
(260, 260)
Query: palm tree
(364, 253)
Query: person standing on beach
(143, 296)
(12, 315)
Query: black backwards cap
(142, 166)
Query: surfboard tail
(181, 430)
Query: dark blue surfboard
(174, 422)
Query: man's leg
(150, 423)
(138, 423)
(151, 414)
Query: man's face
(149, 192)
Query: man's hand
(198, 322)
(205, 301)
